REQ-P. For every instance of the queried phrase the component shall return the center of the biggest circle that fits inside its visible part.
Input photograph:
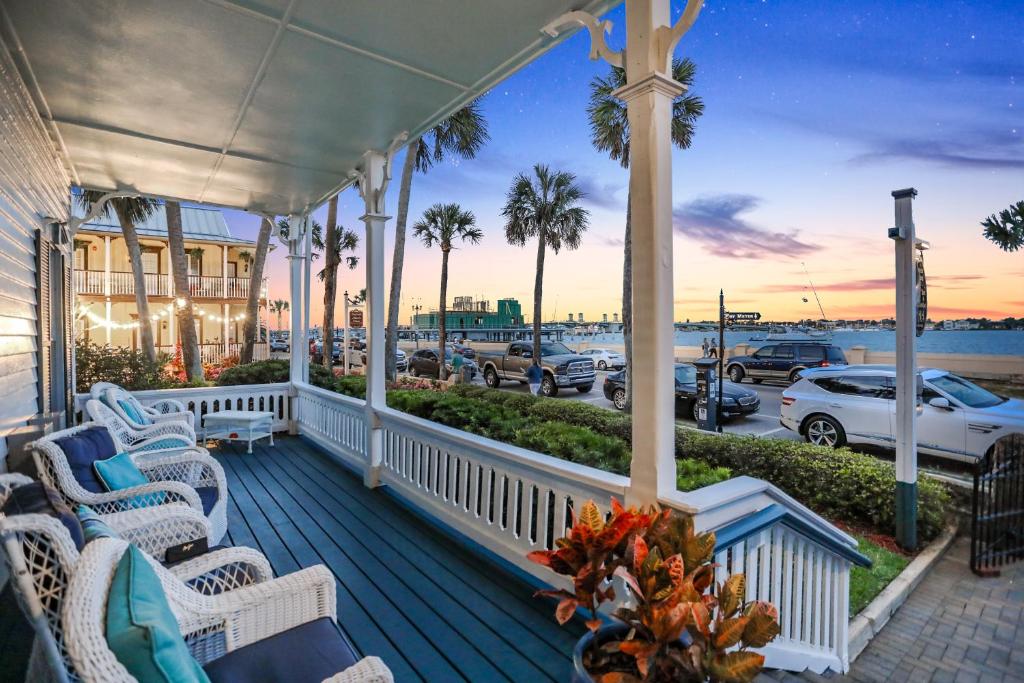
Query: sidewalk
(954, 627)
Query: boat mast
(811, 283)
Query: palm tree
(279, 306)
(609, 132)
(462, 134)
(130, 211)
(1006, 229)
(252, 303)
(338, 240)
(184, 312)
(545, 207)
(442, 224)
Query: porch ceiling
(264, 105)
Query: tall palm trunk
(442, 332)
(398, 260)
(331, 283)
(252, 304)
(627, 303)
(131, 240)
(185, 314)
(538, 292)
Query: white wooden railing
(272, 398)
(89, 281)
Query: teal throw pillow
(133, 413)
(119, 472)
(93, 525)
(141, 629)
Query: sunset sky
(814, 113)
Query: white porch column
(106, 284)
(295, 274)
(648, 93)
(372, 186)
(307, 295)
(226, 327)
(224, 270)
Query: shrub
(839, 483)
(351, 385)
(576, 444)
(126, 367)
(260, 372)
(695, 474)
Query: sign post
(721, 355)
(908, 384)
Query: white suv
(856, 404)
(605, 358)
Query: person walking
(534, 376)
(713, 349)
(704, 348)
(457, 363)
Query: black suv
(783, 361)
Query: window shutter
(44, 324)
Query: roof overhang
(263, 105)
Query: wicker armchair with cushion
(40, 541)
(139, 416)
(163, 436)
(65, 460)
(281, 630)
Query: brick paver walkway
(955, 627)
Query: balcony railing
(161, 284)
(213, 353)
(511, 501)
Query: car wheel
(736, 374)
(491, 378)
(794, 375)
(694, 411)
(601, 365)
(548, 387)
(415, 372)
(822, 430)
(619, 398)
(584, 388)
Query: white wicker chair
(164, 410)
(175, 434)
(174, 476)
(41, 557)
(211, 625)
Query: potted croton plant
(668, 627)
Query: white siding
(33, 185)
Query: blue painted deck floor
(431, 608)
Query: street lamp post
(416, 308)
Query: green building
(467, 314)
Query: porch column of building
(649, 93)
(226, 327)
(224, 293)
(106, 285)
(295, 257)
(372, 185)
(307, 271)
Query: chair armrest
(192, 468)
(160, 418)
(224, 570)
(366, 670)
(166, 429)
(157, 454)
(167, 405)
(155, 529)
(255, 612)
(144, 496)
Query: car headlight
(562, 369)
(726, 400)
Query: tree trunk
(538, 292)
(442, 333)
(330, 282)
(252, 304)
(185, 314)
(398, 261)
(131, 240)
(627, 304)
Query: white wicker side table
(239, 425)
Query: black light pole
(721, 354)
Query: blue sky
(814, 112)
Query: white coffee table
(239, 425)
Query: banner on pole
(921, 285)
(355, 317)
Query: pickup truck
(562, 368)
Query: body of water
(986, 342)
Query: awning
(264, 105)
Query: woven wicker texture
(161, 435)
(167, 410)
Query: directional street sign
(742, 315)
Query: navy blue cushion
(305, 654)
(208, 497)
(39, 499)
(82, 450)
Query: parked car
(562, 368)
(783, 361)
(423, 363)
(279, 345)
(736, 400)
(467, 351)
(335, 353)
(604, 358)
(401, 361)
(957, 419)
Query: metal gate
(997, 509)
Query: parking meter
(707, 394)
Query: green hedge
(272, 372)
(126, 367)
(854, 487)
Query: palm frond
(463, 134)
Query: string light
(101, 322)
